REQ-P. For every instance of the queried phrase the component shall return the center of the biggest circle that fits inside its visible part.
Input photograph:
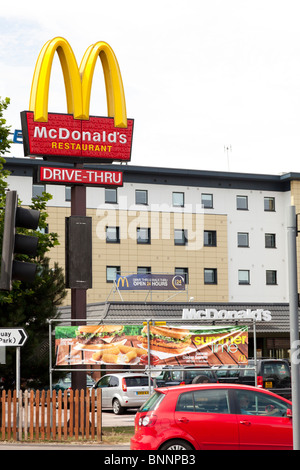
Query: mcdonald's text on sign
(63, 136)
(77, 136)
(80, 176)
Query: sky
(211, 84)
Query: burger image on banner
(168, 340)
(96, 335)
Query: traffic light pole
(78, 296)
(294, 323)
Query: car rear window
(277, 369)
(137, 381)
(153, 402)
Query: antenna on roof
(227, 149)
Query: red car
(213, 416)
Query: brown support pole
(78, 296)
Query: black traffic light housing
(16, 243)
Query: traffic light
(14, 243)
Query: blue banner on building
(150, 282)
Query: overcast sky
(200, 76)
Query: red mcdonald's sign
(77, 136)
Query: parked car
(211, 417)
(272, 374)
(65, 383)
(171, 376)
(121, 391)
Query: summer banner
(169, 345)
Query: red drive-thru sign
(80, 176)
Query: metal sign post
(294, 323)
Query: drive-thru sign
(12, 337)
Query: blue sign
(17, 136)
(151, 282)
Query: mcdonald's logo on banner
(122, 282)
(77, 136)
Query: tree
(30, 305)
(4, 130)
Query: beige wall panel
(161, 254)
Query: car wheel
(200, 379)
(117, 408)
(176, 444)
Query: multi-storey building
(225, 232)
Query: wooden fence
(45, 415)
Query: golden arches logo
(78, 81)
(122, 282)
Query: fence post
(99, 415)
(20, 414)
(3, 413)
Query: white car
(124, 390)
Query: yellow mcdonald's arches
(78, 81)
(122, 281)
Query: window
(204, 401)
(180, 237)
(141, 196)
(37, 190)
(68, 193)
(271, 278)
(244, 277)
(210, 238)
(143, 236)
(256, 403)
(210, 276)
(43, 229)
(207, 201)
(269, 204)
(144, 270)
(104, 382)
(114, 381)
(137, 381)
(270, 240)
(112, 235)
(111, 195)
(111, 273)
(183, 272)
(243, 239)
(178, 199)
(242, 203)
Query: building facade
(226, 233)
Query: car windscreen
(153, 402)
(137, 381)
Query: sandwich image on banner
(99, 334)
(168, 340)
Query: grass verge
(117, 435)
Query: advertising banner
(169, 345)
(150, 282)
